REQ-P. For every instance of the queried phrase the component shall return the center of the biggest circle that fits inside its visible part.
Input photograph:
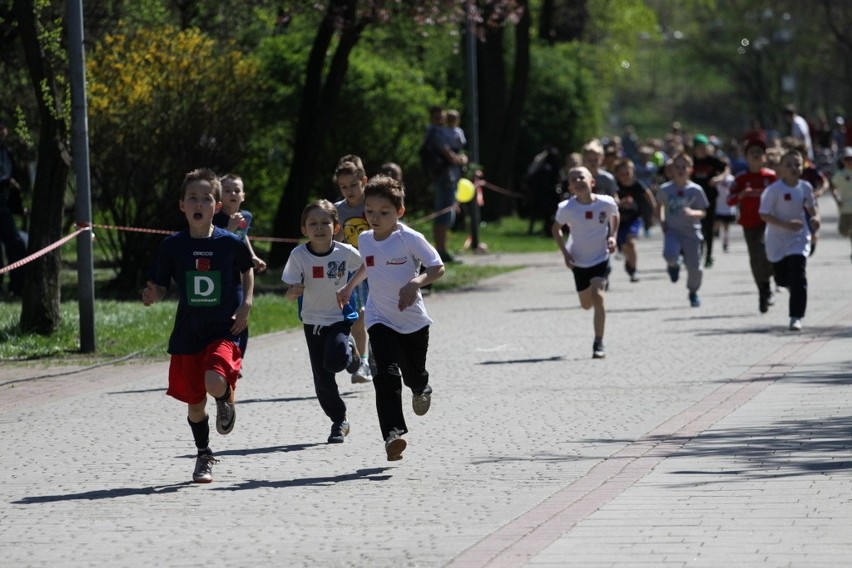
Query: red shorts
(186, 372)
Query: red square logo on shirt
(589, 215)
(787, 197)
(370, 260)
(202, 264)
(317, 272)
(680, 193)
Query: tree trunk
(319, 98)
(40, 306)
(501, 103)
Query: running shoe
(674, 272)
(394, 445)
(226, 416)
(363, 374)
(421, 401)
(694, 300)
(204, 467)
(339, 430)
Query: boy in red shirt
(745, 194)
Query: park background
(277, 91)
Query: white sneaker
(363, 374)
(795, 324)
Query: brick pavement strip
(706, 437)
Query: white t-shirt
(391, 264)
(724, 189)
(842, 180)
(589, 224)
(787, 204)
(322, 275)
(675, 198)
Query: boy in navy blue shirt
(213, 272)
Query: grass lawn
(127, 328)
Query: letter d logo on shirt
(203, 289)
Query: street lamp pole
(473, 115)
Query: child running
(785, 207)
(396, 316)
(745, 195)
(841, 189)
(593, 223)
(313, 273)
(350, 178)
(680, 207)
(212, 270)
(234, 219)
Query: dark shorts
(726, 218)
(625, 230)
(583, 276)
(444, 191)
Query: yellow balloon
(465, 191)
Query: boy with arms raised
(396, 316)
(593, 222)
(313, 273)
(213, 272)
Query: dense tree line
(278, 90)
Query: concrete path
(709, 436)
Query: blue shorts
(444, 193)
(583, 276)
(628, 230)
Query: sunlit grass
(127, 328)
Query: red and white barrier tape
(44, 251)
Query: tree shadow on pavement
(266, 450)
(786, 448)
(371, 474)
(551, 359)
(104, 494)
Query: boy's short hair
(392, 170)
(323, 205)
(623, 163)
(387, 187)
(453, 116)
(231, 177)
(202, 174)
(349, 168)
(594, 146)
(752, 142)
(351, 158)
(681, 156)
(791, 152)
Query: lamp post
(473, 114)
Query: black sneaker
(226, 416)
(421, 401)
(204, 467)
(598, 350)
(339, 430)
(394, 445)
(353, 366)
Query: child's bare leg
(597, 294)
(359, 333)
(197, 412)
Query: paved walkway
(708, 437)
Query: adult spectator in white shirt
(799, 128)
